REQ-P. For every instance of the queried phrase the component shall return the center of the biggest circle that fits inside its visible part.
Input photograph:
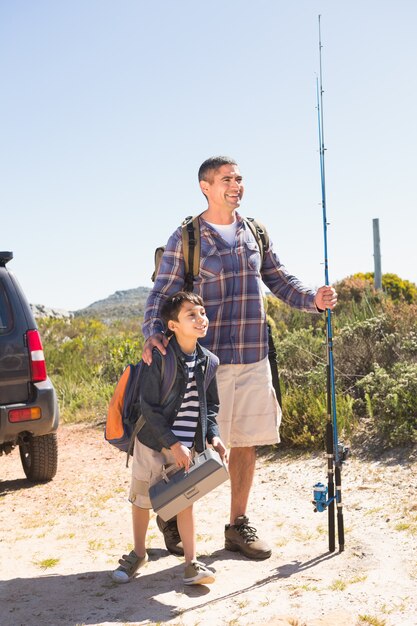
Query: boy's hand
(182, 455)
(219, 446)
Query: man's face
(224, 189)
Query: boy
(173, 432)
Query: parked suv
(29, 412)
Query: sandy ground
(59, 541)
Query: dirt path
(59, 541)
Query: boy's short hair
(172, 306)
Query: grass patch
(66, 536)
(395, 607)
(46, 563)
(95, 545)
(100, 499)
(372, 621)
(303, 535)
(243, 604)
(406, 526)
(340, 584)
(377, 509)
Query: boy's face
(192, 322)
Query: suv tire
(39, 457)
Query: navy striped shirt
(185, 424)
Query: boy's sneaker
(129, 565)
(197, 573)
(240, 537)
(171, 535)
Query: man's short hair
(211, 165)
(171, 307)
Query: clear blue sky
(108, 107)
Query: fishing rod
(325, 496)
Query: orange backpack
(124, 419)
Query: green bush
(301, 356)
(286, 319)
(360, 344)
(85, 358)
(369, 328)
(391, 400)
(304, 416)
(395, 287)
(357, 299)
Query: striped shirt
(185, 423)
(230, 283)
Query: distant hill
(120, 305)
(40, 310)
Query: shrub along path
(60, 540)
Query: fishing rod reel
(320, 500)
(320, 490)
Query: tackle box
(175, 492)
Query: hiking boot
(240, 537)
(129, 565)
(171, 535)
(197, 573)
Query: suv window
(6, 320)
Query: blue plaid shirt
(230, 283)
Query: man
(230, 283)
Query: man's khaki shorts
(249, 411)
(147, 469)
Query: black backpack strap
(168, 373)
(272, 357)
(157, 261)
(191, 250)
(260, 233)
(211, 367)
(139, 425)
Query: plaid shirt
(230, 283)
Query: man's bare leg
(241, 469)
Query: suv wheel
(39, 457)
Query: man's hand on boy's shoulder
(219, 446)
(158, 340)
